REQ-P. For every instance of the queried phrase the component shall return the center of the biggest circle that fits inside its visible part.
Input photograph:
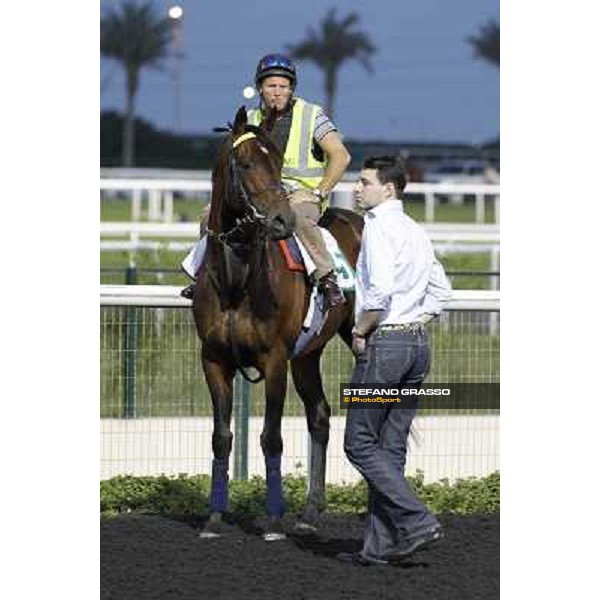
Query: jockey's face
(276, 92)
(370, 192)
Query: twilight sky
(426, 85)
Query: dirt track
(145, 556)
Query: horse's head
(255, 173)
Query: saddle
(297, 258)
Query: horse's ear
(241, 119)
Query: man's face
(369, 191)
(276, 92)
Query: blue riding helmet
(275, 64)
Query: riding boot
(188, 292)
(331, 290)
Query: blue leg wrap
(220, 485)
(275, 503)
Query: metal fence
(156, 413)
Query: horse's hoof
(273, 536)
(304, 528)
(214, 527)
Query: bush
(186, 496)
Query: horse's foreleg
(307, 380)
(272, 443)
(219, 377)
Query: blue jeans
(376, 437)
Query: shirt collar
(387, 207)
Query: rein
(252, 217)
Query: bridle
(252, 216)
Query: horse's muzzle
(280, 227)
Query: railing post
(129, 350)
(241, 404)
(494, 285)
(136, 205)
(497, 209)
(167, 213)
(479, 208)
(429, 207)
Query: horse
(249, 308)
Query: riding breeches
(307, 216)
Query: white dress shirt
(397, 270)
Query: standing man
(314, 160)
(400, 286)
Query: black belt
(406, 327)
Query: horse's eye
(246, 166)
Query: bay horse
(249, 308)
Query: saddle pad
(291, 252)
(313, 322)
(296, 255)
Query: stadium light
(175, 12)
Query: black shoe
(417, 541)
(359, 560)
(188, 292)
(333, 295)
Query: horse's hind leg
(219, 377)
(307, 380)
(272, 443)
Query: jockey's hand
(358, 344)
(303, 196)
(427, 317)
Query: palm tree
(135, 36)
(486, 44)
(329, 48)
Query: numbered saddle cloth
(296, 255)
(297, 258)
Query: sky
(425, 86)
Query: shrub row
(186, 496)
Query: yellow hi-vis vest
(299, 164)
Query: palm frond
(486, 44)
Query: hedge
(187, 496)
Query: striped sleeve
(323, 126)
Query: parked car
(472, 171)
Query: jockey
(314, 160)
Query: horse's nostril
(279, 227)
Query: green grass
(190, 210)
(119, 209)
(170, 261)
(170, 382)
(449, 213)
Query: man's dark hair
(390, 169)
